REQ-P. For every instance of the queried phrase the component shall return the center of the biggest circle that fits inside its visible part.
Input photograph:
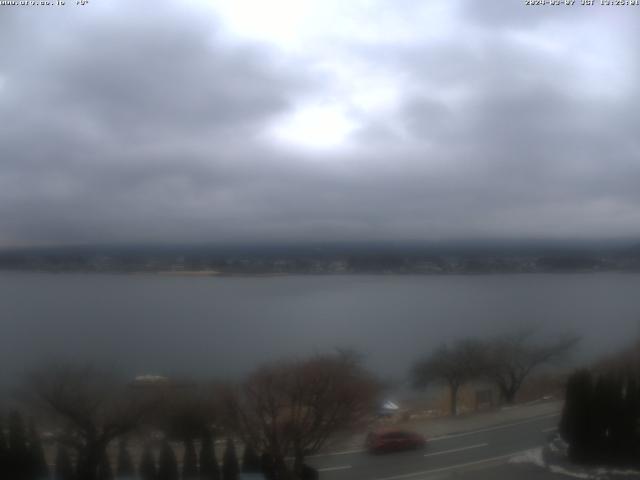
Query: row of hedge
(22, 457)
(601, 418)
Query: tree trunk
(454, 399)
(509, 396)
(508, 393)
(282, 472)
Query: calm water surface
(225, 326)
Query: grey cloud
(515, 14)
(137, 126)
(112, 120)
(529, 152)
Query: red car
(384, 441)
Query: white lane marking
(547, 430)
(444, 437)
(508, 425)
(453, 467)
(457, 449)
(346, 452)
(331, 469)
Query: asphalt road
(443, 455)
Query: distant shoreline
(219, 274)
(186, 273)
(164, 273)
(211, 273)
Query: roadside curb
(497, 426)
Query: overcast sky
(293, 120)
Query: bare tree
(509, 359)
(293, 408)
(452, 365)
(626, 360)
(92, 407)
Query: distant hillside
(434, 258)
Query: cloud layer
(125, 123)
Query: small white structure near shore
(388, 409)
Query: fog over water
(223, 327)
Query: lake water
(208, 326)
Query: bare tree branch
(93, 407)
(293, 408)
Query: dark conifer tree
(250, 460)
(230, 467)
(190, 461)
(308, 473)
(19, 461)
(268, 466)
(209, 469)
(125, 468)
(634, 449)
(38, 462)
(618, 420)
(610, 411)
(599, 439)
(575, 423)
(600, 419)
(630, 431)
(167, 464)
(81, 465)
(3, 451)
(63, 469)
(105, 472)
(148, 469)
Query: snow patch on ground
(625, 473)
(563, 471)
(597, 474)
(533, 456)
(553, 458)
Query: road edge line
(454, 467)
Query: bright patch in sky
(304, 25)
(318, 33)
(279, 21)
(315, 127)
